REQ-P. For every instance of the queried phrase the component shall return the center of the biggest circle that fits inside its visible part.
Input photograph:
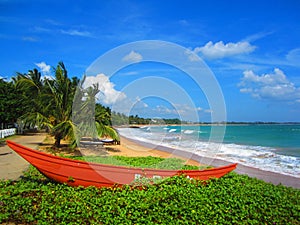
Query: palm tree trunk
(57, 141)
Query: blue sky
(251, 47)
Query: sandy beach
(133, 148)
(130, 147)
(12, 166)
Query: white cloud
(77, 33)
(132, 57)
(42, 29)
(45, 69)
(208, 111)
(257, 36)
(141, 103)
(192, 56)
(30, 39)
(269, 86)
(108, 94)
(164, 110)
(183, 110)
(268, 79)
(293, 56)
(221, 50)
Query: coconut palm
(31, 86)
(54, 103)
(59, 108)
(91, 120)
(51, 101)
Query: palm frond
(36, 119)
(66, 129)
(104, 130)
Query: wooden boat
(81, 173)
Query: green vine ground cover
(233, 199)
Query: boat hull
(81, 173)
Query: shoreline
(131, 147)
(267, 176)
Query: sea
(270, 147)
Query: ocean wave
(264, 158)
(296, 129)
(202, 132)
(172, 130)
(187, 131)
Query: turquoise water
(271, 147)
(284, 138)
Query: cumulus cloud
(269, 86)
(221, 50)
(108, 94)
(132, 57)
(45, 69)
(192, 56)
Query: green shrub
(233, 199)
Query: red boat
(81, 173)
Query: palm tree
(91, 120)
(54, 103)
(51, 101)
(103, 123)
(59, 108)
(30, 86)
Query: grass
(3, 140)
(233, 199)
(142, 162)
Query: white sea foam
(202, 132)
(188, 131)
(264, 158)
(172, 130)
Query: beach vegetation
(48, 103)
(232, 199)
(141, 162)
(121, 119)
(90, 118)
(51, 101)
(12, 103)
